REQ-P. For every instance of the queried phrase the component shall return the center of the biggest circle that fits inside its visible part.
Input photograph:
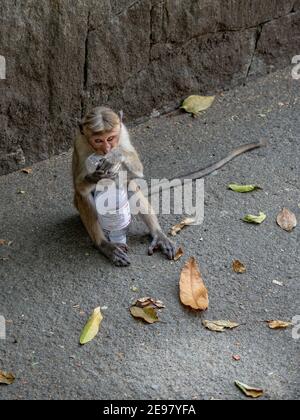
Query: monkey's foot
(162, 242)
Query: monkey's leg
(159, 239)
(114, 252)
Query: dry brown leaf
(277, 325)
(193, 292)
(5, 242)
(179, 254)
(287, 220)
(236, 358)
(150, 302)
(249, 391)
(239, 267)
(220, 326)
(178, 228)
(27, 171)
(6, 378)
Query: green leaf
(255, 219)
(243, 188)
(195, 104)
(92, 327)
(249, 391)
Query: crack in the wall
(257, 38)
(128, 7)
(86, 64)
(181, 46)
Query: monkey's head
(101, 128)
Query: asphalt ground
(52, 278)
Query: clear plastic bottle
(93, 162)
(111, 201)
(114, 212)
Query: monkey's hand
(95, 177)
(116, 253)
(162, 242)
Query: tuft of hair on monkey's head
(100, 120)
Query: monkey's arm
(159, 239)
(133, 164)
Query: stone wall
(64, 56)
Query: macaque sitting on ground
(102, 134)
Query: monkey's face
(103, 143)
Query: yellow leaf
(145, 308)
(220, 326)
(255, 219)
(249, 391)
(148, 314)
(92, 327)
(239, 267)
(277, 325)
(287, 220)
(243, 188)
(6, 378)
(186, 222)
(195, 104)
(193, 292)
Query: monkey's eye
(111, 139)
(98, 141)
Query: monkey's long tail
(218, 165)
(209, 169)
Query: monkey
(102, 131)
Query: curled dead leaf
(193, 292)
(287, 220)
(186, 222)
(4, 242)
(278, 325)
(27, 171)
(220, 326)
(179, 254)
(239, 267)
(6, 378)
(150, 302)
(255, 219)
(249, 391)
